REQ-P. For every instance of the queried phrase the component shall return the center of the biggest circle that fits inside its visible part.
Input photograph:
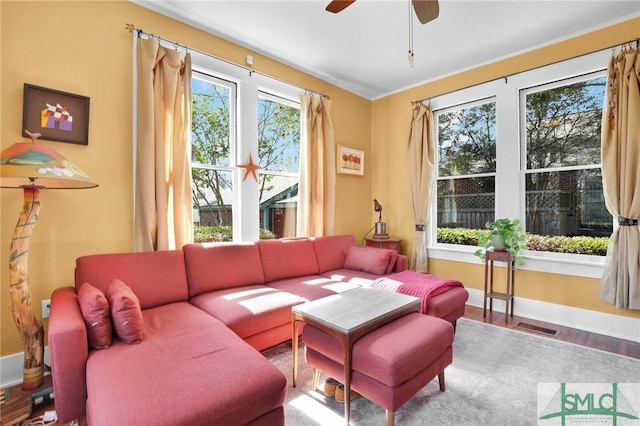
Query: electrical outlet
(46, 307)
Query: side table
(491, 256)
(386, 243)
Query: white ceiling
(363, 49)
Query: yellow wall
(83, 48)
(389, 129)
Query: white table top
(354, 309)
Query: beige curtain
(163, 210)
(316, 191)
(421, 168)
(620, 284)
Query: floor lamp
(32, 166)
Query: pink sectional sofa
(207, 310)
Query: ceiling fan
(426, 10)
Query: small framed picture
(57, 116)
(350, 161)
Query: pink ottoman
(390, 364)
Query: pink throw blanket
(416, 284)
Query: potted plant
(503, 235)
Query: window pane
(210, 123)
(278, 204)
(567, 203)
(213, 199)
(278, 136)
(279, 150)
(466, 202)
(563, 125)
(467, 140)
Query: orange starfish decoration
(250, 168)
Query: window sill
(554, 263)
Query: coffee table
(348, 316)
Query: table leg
(347, 345)
(294, 348)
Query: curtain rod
(131, 28)
(629, 42)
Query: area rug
(494, 380)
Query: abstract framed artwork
(57, 116)
(350, 161)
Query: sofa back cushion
(331, 251)
(216, 266)
(370, 259)
(156, 278)
(286, 258)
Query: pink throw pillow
(368, 259)
(125, 312)
(95, 311)
(393, 256)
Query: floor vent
(537, 329)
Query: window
(466, 166)
(235, 113)
(563, 181)
(212, 139)
(527, 147)
(279, 144)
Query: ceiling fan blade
(426, 10)
(338, 5)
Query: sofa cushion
(156, 278)
(215, 266)
(331, 251)
(180, 374)
(285, 258)
(249, 310)
(351, 276)
(312, 287)
(125, 312)
(370, 259)
(95, 311)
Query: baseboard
(596, 322)
(11, 368)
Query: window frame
(509, 160)
(249, 86)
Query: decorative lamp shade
(26, 164)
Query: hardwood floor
(567, 334)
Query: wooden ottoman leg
(441, 381)
(314, 379)
(391, 417)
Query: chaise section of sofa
(189, 369)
